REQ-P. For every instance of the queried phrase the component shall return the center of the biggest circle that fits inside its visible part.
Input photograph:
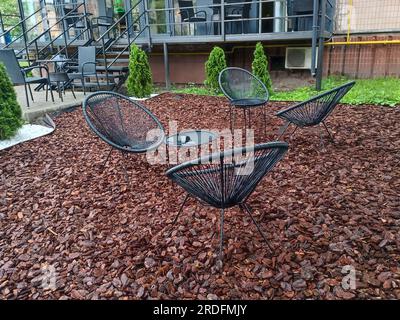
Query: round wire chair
(227, 179)
(122, 123)
(244, 90)
(314, 111)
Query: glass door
(158, 16)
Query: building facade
(361, 37)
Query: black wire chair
(313, 111)
(244, 91)
(122, 123)
(227, 179)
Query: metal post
(314, 37)
(260, 17)
(166, 67)
(146, 18)
(88, 28)
(321, 46)
(23, 25)
(223, 19)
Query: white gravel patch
(25, 133)
(143, 99)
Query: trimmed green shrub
(260, 66)
(10, 111)
(215, 64)
(139, 82)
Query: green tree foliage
(139, 82)
(10, 12)
(215, 64)
(10, 111)
(260, 66)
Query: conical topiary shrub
(139, 83)
(10, 111)
(215, 64)
(260, 66)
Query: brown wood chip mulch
(322, 208)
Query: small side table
(190, 139)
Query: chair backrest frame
(246, 72)
(220, 171)
(85, 55)
(86, 104)
(329, 106)
(186, 9)
(10, 61)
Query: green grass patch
(383, 91)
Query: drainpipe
(314, 37)
(147, 22)
(321, 47)
(166, 67)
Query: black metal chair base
(283, 129)
(124, 156)
(247, 118)
(245, 209)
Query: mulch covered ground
(322, 208)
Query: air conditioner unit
(298, 58)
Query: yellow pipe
(342, 43)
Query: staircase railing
(107, 42)
(24, 32)
(60, 22)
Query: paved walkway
(40, 106)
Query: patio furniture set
(57, 73)
(221, 180)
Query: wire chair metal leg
(283, 129)
(221, 234)
(265, 120)
(327, 130)
(180, 210)
(124, 155)
(247, 209)
(231, 118)
(295, 129)
(245, 118)
(321, 140)
(108, 157)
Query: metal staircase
(112, 44)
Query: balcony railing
(234, 18)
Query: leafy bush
(10, 111)
(139, 82)
(260, 66)
(215, 64)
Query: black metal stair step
(103, 68)
(111, 60)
